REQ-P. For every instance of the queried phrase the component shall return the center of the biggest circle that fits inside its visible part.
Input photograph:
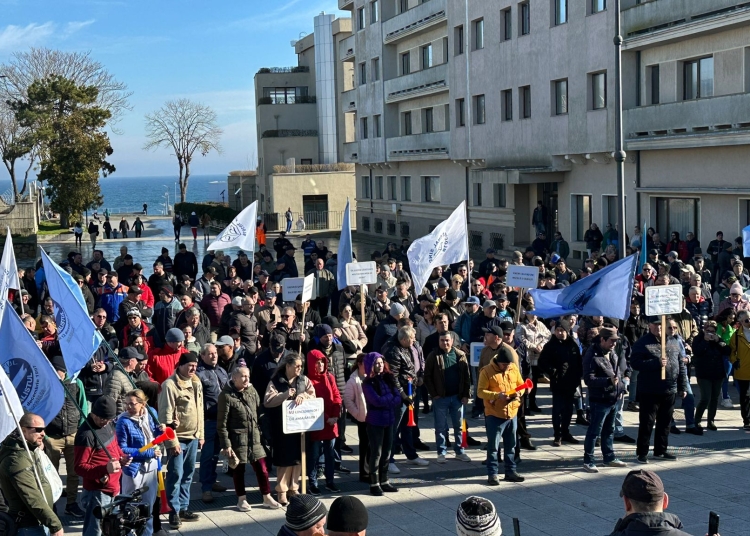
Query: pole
(663, 344)
(26, 447)
(80, 410)
(303, 477)
(468, 251)
(362, 299)
(302, 331)
(620, 154)
(117, 363)
(518, 307)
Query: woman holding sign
(287, 383)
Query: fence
(314, 220)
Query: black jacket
(185, 263)
(635, 328)
(263, 368)
(598, 371)
(648, 523)
(646, 359)
(402, 367)
(247, 328)
(708, 358)
(563, 363)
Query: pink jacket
(354, 398)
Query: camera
(125, 516)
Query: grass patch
(52, 228)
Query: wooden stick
(663, 344)
(304, 465)
(302, 329)
(362, 299)
(518, 307)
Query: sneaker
(393, 469)
(268, 502)
(313, 490)
(633, 406)
(463, 457)
(695, 430)
(526, 444)
(389, 488)
(174, 520)
(590, 468)
(711, 426)
(242, 505)
(666, 456)
(642, 459)
(616, 463)
(320, 472)
(557, 442)
(583, 421)
(624, 439)
(421, 462)
(376, 491)
(514, 477)
(568, 438)
(473, 442)
(421, 445)
(346, 449)
(162, 532)
(746, 427)
(333, 488)
(74, 510)
(493, 480)
(727, 403)
(207, 497)
(188, 515)
(440, 458)
(218, 488)
(342, 470)
(674, 430)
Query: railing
(314, 168)
(287, 133)
(291, 99)
(497, 240)
(297, 69)
(475, 239)
(314, 220)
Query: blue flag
(344, 255)
(746, 241)
(604, 293)
(77, 334)
(644, 246)
(36, 382)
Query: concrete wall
(287, 189)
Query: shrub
(216, 211)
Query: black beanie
(105, 408)
(303, 512)
(347, 514)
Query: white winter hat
(477, 516)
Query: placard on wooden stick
(662, 301)
(294, 286)
(361, 273)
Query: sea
(128, 194)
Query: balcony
(414, 21)
(346, 4)
(281, 70)
(288, 133)
(349, 101)
(659, 23)
(289, 99)
(714, 121)
(346, 49)
(429, 146)
(425, 82)
(350, 152)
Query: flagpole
(468, 250)
(26, 447)
(117, 363)
(80, 410)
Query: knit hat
(105, 408)
(476, 516)
(189, 357)
(736, 288)
(347, 514)
(322, 330)
(59, 363)
(397, 309)
(504, 355)
(303, 512)
(175, 335)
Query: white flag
(8, 272)
(8, 397)
(447, 244)
(240, 233)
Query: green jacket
(237, 423)
(20, 488)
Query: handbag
(50, 473)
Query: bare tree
(185, 127)
(37, 64)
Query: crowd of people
(211, 350)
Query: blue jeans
(33, 531)
(89, 501)
(619, 424)
(401, 414)
(288, 225)
(443, 408)
(497, 429)
(688, 406)
(602, 419)
(727, 372)
(314, 450)
(180, 470)
(209, 456)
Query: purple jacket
(381, 395)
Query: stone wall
(23, 220)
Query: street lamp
(166, 195)
(620, 154)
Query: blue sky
(204, 50)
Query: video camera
(125, 516)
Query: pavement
(557, 499)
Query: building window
(407, 124)
(428, 124)
(427, 56)
(406, 188)
(479, 117)
(581, 216)
(610, 210)
(561, 11)
(478, 34)
(744, 212)
(392, 190)
(376, 69)
(597, 6)
(366, 193)
(460, 113)
(373, 11)
(458, 40)
(506, 17)
(403, 6)
(379, 187)
(361, 18)
(524, 15)
(477, 194)
(699, 79)
(305, 161)
(362, 73)
(561, 97)
(506, 105)
(524, 97)
(654, 84)
(366, 225)
(431, 189)
(363, 128)
(498, 195)
(599, 91)
(405, 63)
(378, 226)
(675, 214)
(285, 95)
(376, 129)
(445, 50)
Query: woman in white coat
(354, 402)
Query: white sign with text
(294, 286)
(361, 273)
(307, 417)
(663, 300)
(522, 276)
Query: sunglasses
(37, 429)
(712, 332)
(286, 316)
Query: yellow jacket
(492, 382)
(740, 353)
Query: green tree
(65, 123)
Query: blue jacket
(130, 437)
(213, 379)
(110, 300)
(463, 326)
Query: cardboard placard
(663, 300)
(361, 273)
(475, 349)
(522, 276)
(307, 417)
(293, 286)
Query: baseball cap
(224, 340)
(497, 330)
(127, 353)
(270, 294)
(643, 486)
(488, 303)
(609, 333)
(654, 319)
(507, 326)
(237, 301)
(472, 299)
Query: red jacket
(213, 306)
(147, 296)
(162, 362)
(325, 388)
(147, 341)
(91, 461)
(682, 250)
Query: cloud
(74, 27)
(14, 37)
(285, 16)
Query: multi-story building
(503, 103)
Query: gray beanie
(175, 335)
(303, 512)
